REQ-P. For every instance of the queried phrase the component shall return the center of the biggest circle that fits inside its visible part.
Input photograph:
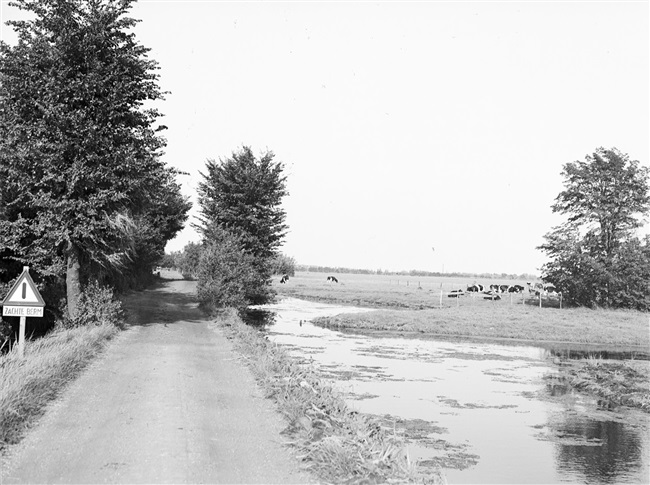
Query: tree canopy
(84, 189)
(242, 195)
(595, 257)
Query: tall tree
(595, 258)
(79, 152)
(243, 195)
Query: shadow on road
(166, 303)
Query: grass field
(414, 304)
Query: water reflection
(615, 457)
(483, 411)
(258, 317)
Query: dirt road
(168, 402)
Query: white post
(540, 299)
(21, 337)
(440, 299)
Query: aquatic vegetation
(337, 443)
(626, 383)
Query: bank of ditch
(338, 445)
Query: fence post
(560, 300)
(441, 299)
(540, 299)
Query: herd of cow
(493, 291)
(545, 289)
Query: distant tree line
(414, 272)
(84, 195)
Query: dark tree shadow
(161, 305)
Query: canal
(483, 412)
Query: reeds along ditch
(619, 382)
(337, 443)
(29, 383)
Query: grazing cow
(535, 288)
(550, 290)
(284, 279)
(515, 289)
(493, 296)
(332, 279)
(475, 288)
(494, 288)
(504, 288)
(455, 293)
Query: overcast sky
(415, 135)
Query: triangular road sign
(24, 292)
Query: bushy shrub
(283, 264)
(225, 273)
(97, 306)
(189, 260)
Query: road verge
(28, 384)
(338, 444)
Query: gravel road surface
(169, 401)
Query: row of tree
(84, 195)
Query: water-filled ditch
(482, 411)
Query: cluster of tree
(242, 225)
(84, 194)
(595, 258)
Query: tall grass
(339, 444)
(626, 383)
(49, 363)
(28, 384)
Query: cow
(475, 288)
(535, 288)
(284, 279)
(515, 289)
(494, 288)
(504, 288)
(332, 279)
(455, 293)
(492, 296)
(550, 290)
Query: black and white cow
(332, 279)
(515, 289)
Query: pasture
(412, 304)
(398, 291)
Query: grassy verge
(28, 384)
(338, 444)
(626, 383)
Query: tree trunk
(73, 280)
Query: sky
(414, 135)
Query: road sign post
(23, 300)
